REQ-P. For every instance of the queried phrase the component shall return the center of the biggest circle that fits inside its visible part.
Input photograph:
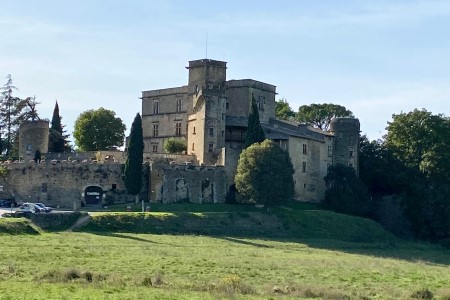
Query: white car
(29, 208)
(43, 207)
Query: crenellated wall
(60, 184)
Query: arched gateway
(93, 195)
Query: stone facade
(33, 136)
(212, 113)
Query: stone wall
(60, 184)
(187, 183)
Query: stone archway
(93, 195)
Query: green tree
(320, 115)
(27, 109)
(422, 141)
(264, 174)
(98, 130)
(133, 164)
(283, 111)
(58, 139)
(345, 193)
(255, 133)
(8, 115)
(173, 145)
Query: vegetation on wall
(173, 145)
(264, 174)
(98, 130)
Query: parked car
(8, 203)
(28, 208)
(43, 207)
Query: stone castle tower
(346, 141)
(33, 136)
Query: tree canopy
(255, 133)
(174, 145)
(98, 130)
(133, 164)
(345, 193)
(264, 174)
(283, 111)
(320, 115)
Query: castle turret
(346, 142)
(33, 136)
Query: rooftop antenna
(206, 45)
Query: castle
(210, 114)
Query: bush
(174, 145)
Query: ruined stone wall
(181, 183)
(60, 184)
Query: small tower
(346, 142)
(33, 136)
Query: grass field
(316, 254)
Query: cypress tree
(255, 133)
(133, 165)
(56, 140)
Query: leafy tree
(283, 111)
(27, 110)
(173, 145)
(422, 141)
(98, 130)
(58, 139)
(320, 115)
(255, 133)
(264, 174)
(345, 193)
(133, 164)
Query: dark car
(8, 203)
(43, 208)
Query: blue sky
(376, 58)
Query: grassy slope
(200, 267)
(246, 254)
(17, 226)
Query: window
(178, 105)
(156, 107)
(193, 147)
(303, 166)
(210, 147)
(228, 105)
(155, 129)
(305, 148)
(114, 186)
(330, 150)
(260, 102)
(193, 132)
(155, 148)
(223, 133)
(223, 117)
(350, 165)
(351, 151)
(211, 131)
(178, 128)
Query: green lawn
(217, 252)
(122, 265)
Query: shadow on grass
(123, 236)
(239, 241)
